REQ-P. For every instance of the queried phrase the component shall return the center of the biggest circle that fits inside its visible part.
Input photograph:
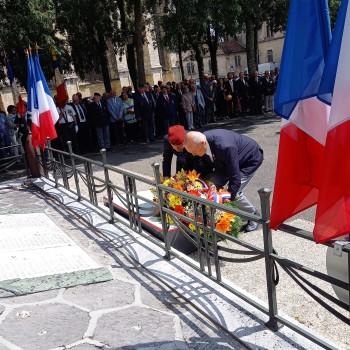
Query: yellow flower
(174, 200)
(169, 220)
(192, 227)
(167, 182)
(192, 175)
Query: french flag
(43, 123)
(32, 99)
(21, 109)
(333, 207)
(62, 96)
(300, 165)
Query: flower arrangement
(190, 182)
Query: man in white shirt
(67, 126)
(83, 135)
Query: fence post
(74, 168)
(265, 194)
(109, 191)
(161, 205)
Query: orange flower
(227, 216)
(223, 226)
(178, 185)
(180, 209)
(193, 176)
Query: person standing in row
(98, 116)
(84, 138)
(144, 111)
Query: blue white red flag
(43, 123)
(62, 96)
(17, 98)
(32, 100)
(333, 206)
(305, 118)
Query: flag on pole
(62, 96)
(43, 122)
(17, 98)
(32, 100)
(333, 206)
(305, 118)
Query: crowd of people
(107, 120)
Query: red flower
(195, 193)
(180, 209)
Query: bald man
(235, 158)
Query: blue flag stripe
(303, 54)
(325, 93)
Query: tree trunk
(199, 59)
(179, 52)
(103, 61)
(250, 45)
(131, 61)
(213, 47)
(139, 34)
(256, 47)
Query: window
(237, 60)
(209, 65)
(269, 56)
(190, 68)
(269, 32)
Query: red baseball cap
(176, 135)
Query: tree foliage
(25, 23)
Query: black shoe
(252, 225)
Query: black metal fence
(79, 175)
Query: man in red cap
(174, 145)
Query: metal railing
(73, 172)
(8, 158)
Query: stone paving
(133, 311)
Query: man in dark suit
(166, 109)
(174, 145)
(255, 93)
(208, 94)
(229, 94)
(144, 111)
(98, 117)
(241, 86)
(235, 157)
(84, 138)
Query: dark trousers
(148, 129)
(84, 138)
(67, 133)
(117, 132)
(209, 111)
(167, 123)
(255, 105)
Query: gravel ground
(291, 298)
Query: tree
(254, 13)
(87, 25)
(333, 9)
(25, 23)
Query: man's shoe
(252, 225)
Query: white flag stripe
(312, 116)
(340, 111)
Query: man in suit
(84, 138)
(208, 93)
(116, 113)
(230, 91)
(235, 158)
(98, 116)
(144, 111)
(174, 145)
(241, 86)
(166, 108)
(255, 93)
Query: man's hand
(76, 128)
